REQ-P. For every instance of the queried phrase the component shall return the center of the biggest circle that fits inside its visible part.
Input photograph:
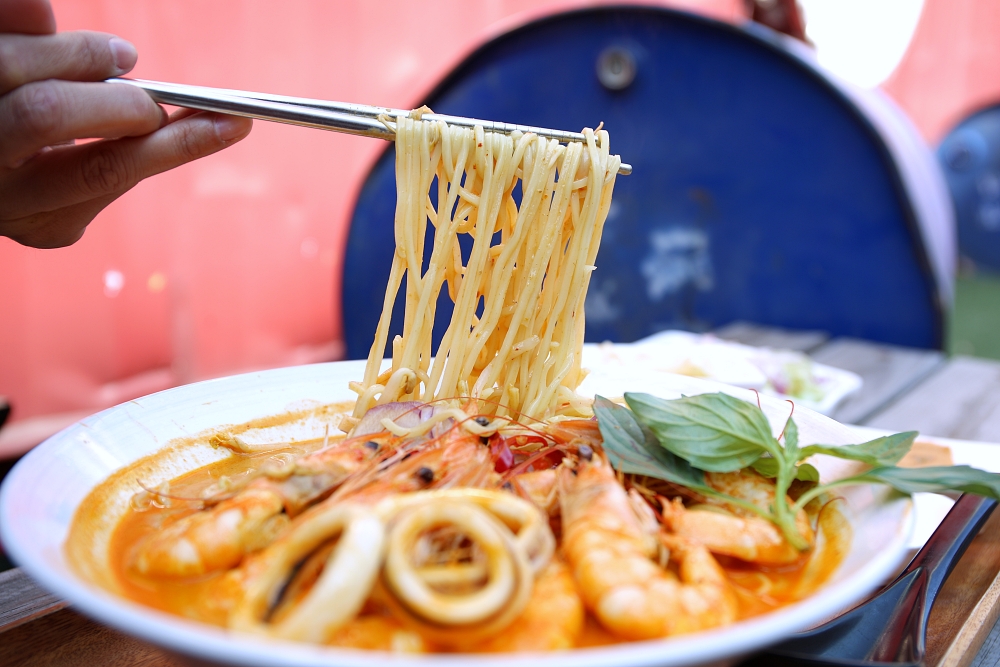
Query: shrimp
(540, 488)
(751, 539)
(553, 619)
(219, 537)
(739, 533)
(456, 458)
(538, 484)
(745, 484)
(610, 554)
(575, 432)
(214, 539)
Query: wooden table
(904, 389)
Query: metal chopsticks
(357, 119)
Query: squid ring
(466, 574)
(412, 590)
(530, 527)
(348, 576)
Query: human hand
(50, 95)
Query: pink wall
(952, 66)
(228, 264)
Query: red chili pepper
(540, 460)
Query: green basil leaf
(791, 439)
(632, 448)
(768, 467)
(936, 480)
(713, 432)
(884, 451)
(805, 472)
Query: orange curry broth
(210, 598)
(207, 598)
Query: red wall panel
(229, 263)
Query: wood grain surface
(959, 624)
(65, 638)
(989, 654)
(888, 373)
(772, 337)
(969, 645)
(21, 600)
(961, 401)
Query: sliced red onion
(406, 414)
(503, 458)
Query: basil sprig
(717, 434)
(679, 440)
(632, 448)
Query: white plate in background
(786, 374)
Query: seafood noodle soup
(469, 499)
(589, 561)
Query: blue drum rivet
(958, 156)
(616, 68)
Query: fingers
(79, 181)
(51, 95)
(33, 17)
(55, 229)
(75, 174)
(49, 112)
(183, 112)
(72, 56)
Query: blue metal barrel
(762, 191)
(970, 157)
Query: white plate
(821, 387)
(41, 494)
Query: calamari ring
(530, 527)
(405, 582)
(348, 576)
(462, 574)
(426, 615)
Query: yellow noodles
(522, 350)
